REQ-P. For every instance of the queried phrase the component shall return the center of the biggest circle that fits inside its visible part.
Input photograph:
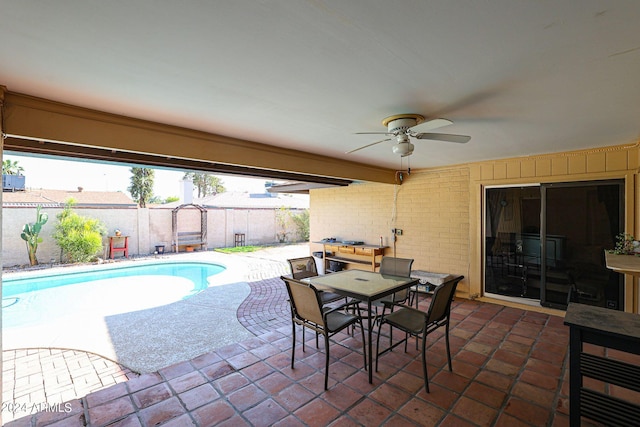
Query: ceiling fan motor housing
(400, 126)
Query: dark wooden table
(610, 329)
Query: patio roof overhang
(297, 187)
(43, 127)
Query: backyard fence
(148, 228)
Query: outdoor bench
(189, 238)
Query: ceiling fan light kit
(405, 126)
(403, 149)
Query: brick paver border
(266, 308)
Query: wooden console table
(610, 329)
(368, 256)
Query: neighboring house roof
(237, 199)
(55, 198)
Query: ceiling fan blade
(461, 139)
(373, 133)
(430, 125)
(368, 145)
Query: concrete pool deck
(79, 355)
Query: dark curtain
(494, 207)
(608, 195)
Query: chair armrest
(342, 306)
(405, 306)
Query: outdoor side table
(609, 329)
(117, 239)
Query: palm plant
(141, 187)
(11, 167)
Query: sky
(54, 174)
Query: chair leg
(424, 362)
(384, 308)
(354, 310)
(293, 344)
(326, 364)
(446, 334)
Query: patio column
(3, 89)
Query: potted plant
(626, 244)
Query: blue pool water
(28, 301)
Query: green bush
(302, 223)
(80, 238)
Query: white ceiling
(519, 76)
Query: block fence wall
(146, 228)
(440, 210)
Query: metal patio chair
(304, 267)
(308, 311)
(418, 323)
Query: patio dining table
(366, 286)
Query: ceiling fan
(404, 126)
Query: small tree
(31, 234)
(301, 221)
(141, 187)
(79, 238)
(282, 216)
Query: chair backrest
(303, 267)
(396, 266)
(305, 301)
(441, 301)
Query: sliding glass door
(512, 214)
(545, 243)
(581, 221)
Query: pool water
(37, 300)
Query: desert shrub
(79, 238)
(301, 221)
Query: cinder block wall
(431, 208)
(14, 251)
(440, 210)
(147, 228)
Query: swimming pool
(28, 301)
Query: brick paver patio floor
(510, 369)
